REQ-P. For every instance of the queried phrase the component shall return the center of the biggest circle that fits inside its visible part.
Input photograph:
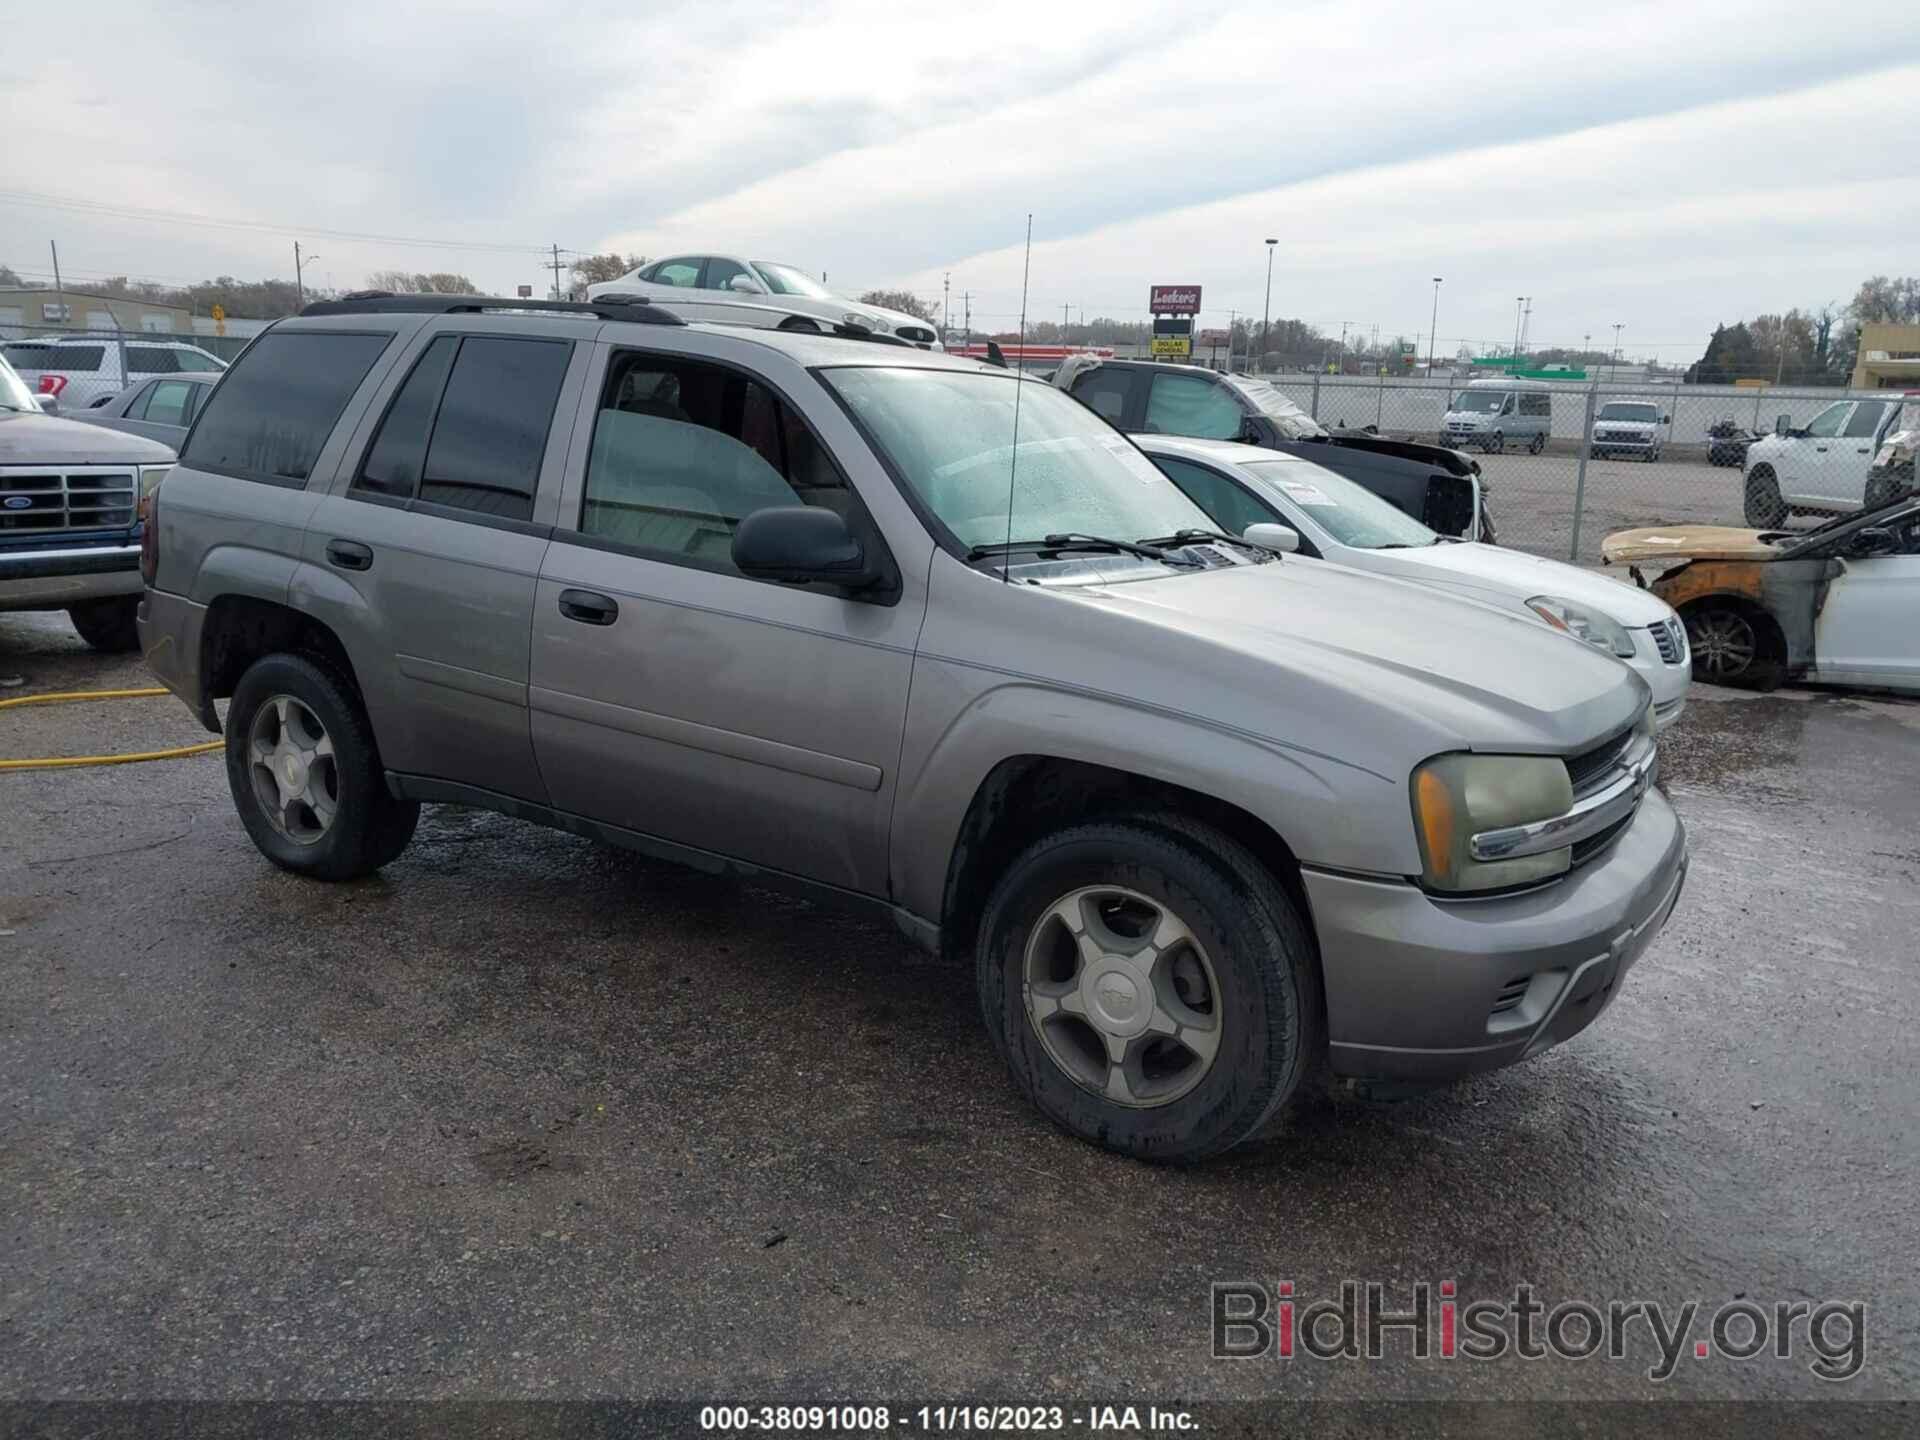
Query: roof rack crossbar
(385, 302)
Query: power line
(182, 217)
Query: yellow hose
(66, 762)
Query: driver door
(1808, 463)
(1868, 632)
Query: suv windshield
(786, 280)
(1622, 410)
(1292, 422)
(1350, 514)
(14, 394)
(1478, 402)
(949, 435)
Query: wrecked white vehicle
(1836, 605)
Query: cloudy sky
(1660, 166)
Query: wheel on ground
(1150, 986)
(1730, 647)
(1496, 442)
(1765, 509)
(305, 774)
(107, 625)
(1653, 457)
(1536, 445)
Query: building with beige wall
(1889, 358)
(43, 308)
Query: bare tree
(401, 282)
(905, 301)
(597, 269)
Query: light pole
(1616, 345)
(1433, 326)
(1519, 302)
(1266, 317)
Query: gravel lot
(527, 1117)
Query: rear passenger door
(436, 531)
(673, 696)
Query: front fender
(963, 723)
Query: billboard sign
(1173, 299)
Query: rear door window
(151, 360)
(167, 402)
(275, 408)
(1865, 420)
(1105, 391)
(491, 430)
(1192, 405)
(399, 450)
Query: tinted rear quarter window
(491, 432)
(278, 403)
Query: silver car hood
(50, 440)
(1461, 674)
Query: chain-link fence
(1566, 464)
(84, 368)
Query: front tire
(1150, 987)
(108, 625)
(1765, 510)
(1496, 444)
(305, 773)
(1732, 646)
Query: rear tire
(306, 775)
(1174, 920)
(1765, 510)
(108, 625)
(1536, 445)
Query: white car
(733, 290)
(1335, 519)
(80, 371)
(1630, 427)
(1822, 467)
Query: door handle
(588, 607)
(1821, 448)
(350, 554)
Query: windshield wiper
(1076, 541)
(1195, 536)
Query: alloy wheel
(1723, 642)
(1122, 996)
(291, 763)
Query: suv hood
(50, 440)
(1496, 574)
(1461, 674)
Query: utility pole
(554, 265)
(1233, 317)
(299, 279)
(1526, 325)
(1519, 301)
(946, 305)
(966, 314)
(1616, 347)
(59, 290)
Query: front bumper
(54, 578)
(1668, 682)
(1426, 990)
(1626, 445)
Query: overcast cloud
(1662, 166)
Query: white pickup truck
(1823, 467)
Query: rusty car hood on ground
(1691, 542)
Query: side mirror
(744, 284)
(1275, 537)
(1249, 432)
(1783, 425)
(795, 544)
(1877, 541)
(1666, 419)
(47, 404)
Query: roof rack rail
(385, 302)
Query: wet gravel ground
(524, 1116)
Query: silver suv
(913, 634)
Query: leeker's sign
(1174, 300)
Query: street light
(1266, 318)
(1432, 325)
(1518, 302)
(299, 283)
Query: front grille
(1586, 849)
(1670, 638)
(47, 502)
(919, 334)
(1591, 768)
(1627, 437)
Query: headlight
(1587, 625)
(867, 322)
(150, 478)
(1456, 797)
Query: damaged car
(1438, 486)
(1835, 605)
